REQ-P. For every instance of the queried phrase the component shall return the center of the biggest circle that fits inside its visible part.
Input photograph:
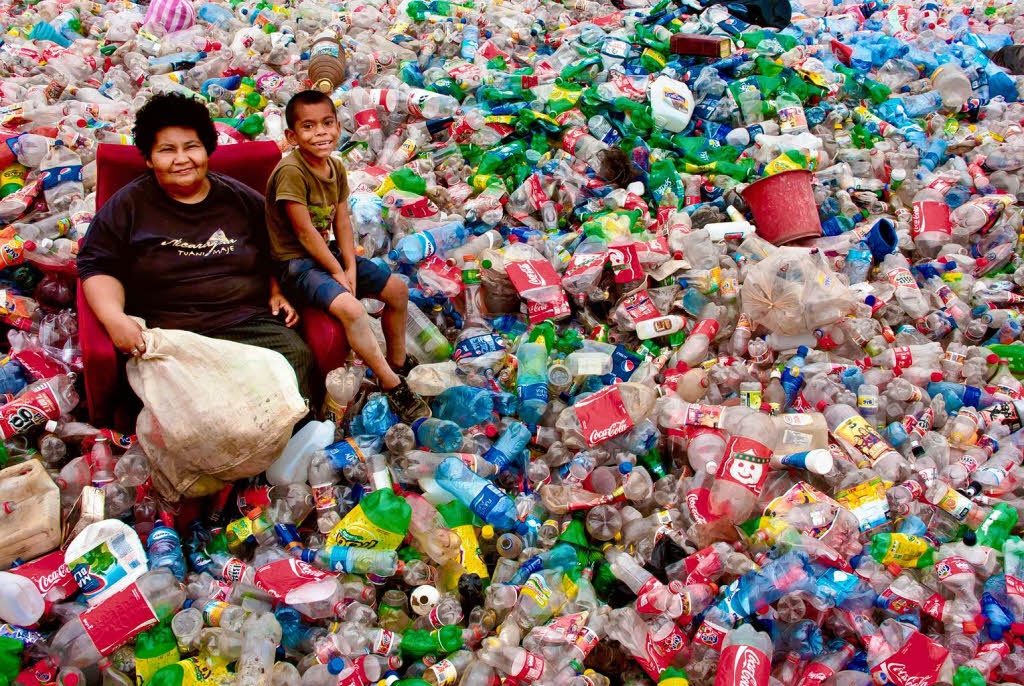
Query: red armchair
(108, 396)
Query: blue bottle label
(477, 346)
(485, 501)
(58, 175)
(428, 243)
(344, 453)
(533, 391)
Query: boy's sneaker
(406, 367)
(407, 405)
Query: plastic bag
(214, 411)
(793, 292)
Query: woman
(183, 248)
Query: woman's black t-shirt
(194, 267)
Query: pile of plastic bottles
(663, 448)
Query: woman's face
(179, 160)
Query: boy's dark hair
(309, 97)
(172, 109)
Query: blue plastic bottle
(465, 405)
(482, 497)
(470, 42)
(216, 14)
(507, 448)
(164, 550)
(421, 245)
(532, 381)
(228, 83)
(858, 263)
(439, 435)
(957, 395)
(562, 556)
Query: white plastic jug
(20, 601)
(671, 104)
(293, 464)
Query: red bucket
(783, 207)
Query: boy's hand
(342, 278)
(350, 274)
(278, 303)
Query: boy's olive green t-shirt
(293, 179)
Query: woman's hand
(278, 303)
(126, 334)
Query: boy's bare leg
(360, 337)
(395, 297)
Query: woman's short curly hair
(172, 109)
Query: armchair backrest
(250, 163)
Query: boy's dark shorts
(304, 281)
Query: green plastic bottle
(416, 644)
(251, 125)
(154, 649)
(11, 650)
(995, 530)
(1013, 353)
(380, 520)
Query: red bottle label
(118, 619)
(743, 666)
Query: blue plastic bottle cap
(335, 665)
(803, 350)
(625, 468)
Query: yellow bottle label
(198, 671)
(145, 667)
(333, 411)
(859, 434)
(213, 611)
(905, 550)
(239, 530)
(469, 555)
(358, 531)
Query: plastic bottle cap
(992, 358)
(936, 377)
(802, 351)
(625, 468)
(487, 531)
(819, 461)
(51, 425)
(335, 665)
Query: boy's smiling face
(316, 130)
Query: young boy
(306, 195)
